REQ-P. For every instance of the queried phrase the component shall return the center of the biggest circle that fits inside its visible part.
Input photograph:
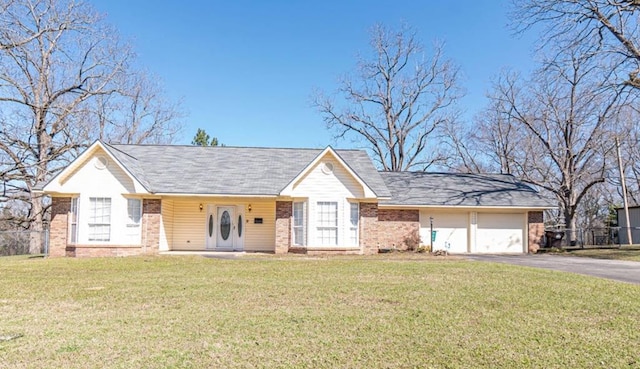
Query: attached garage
(476, 213)
(500, 233)
(452, 230)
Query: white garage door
(500, 233)
(451, 230)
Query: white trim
(288, 190)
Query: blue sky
(245, 70)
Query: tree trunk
(570, 225)
(36, 228)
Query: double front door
(225, 227)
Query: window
(354, 216)
(134, 212)
(299, 223)
(73, 220)
(99, 219)
(134, 215)
(327, 231)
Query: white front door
(226, 227)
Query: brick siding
(151, 217)
(535, 222)
(284, 210)
(395, 226)
(58, 228)
(369, 239)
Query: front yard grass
(349, 312)
(631, 253)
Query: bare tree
(491, 143)
(136, 113)
(17, 32)
(610, 28)
(397, 100)
(62, 65)
(560, 124)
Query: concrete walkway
(625, 271)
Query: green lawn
(631, 253)
(295, 312)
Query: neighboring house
(136, 199)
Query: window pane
(99, 218)
(354, 214)
(134, 208)
(299, 223)
(327, 230)
(74, 220)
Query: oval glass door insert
(240, 225)
(225, 225)
(210, 225)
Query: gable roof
(233, 171)
(368, 192)
(460, 190)
(96, 146)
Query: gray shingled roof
(452, 189)
(230, 170)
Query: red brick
(284, 211)
(535, 220)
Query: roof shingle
(457, 189)
(230, 170)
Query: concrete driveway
(625, 271)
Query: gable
(97, 171)
(327, 178)
(328, 174)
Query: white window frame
(299, 223)
(73, 220)
(99, 219)
(354, 222)
(327, 233)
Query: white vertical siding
(337, 186)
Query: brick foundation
(284, 210)
(58, 228)
(92, 251)
(535, 222)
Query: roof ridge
(447, 173)
(235, 147)
(121, 151)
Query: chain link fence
(18, 242)
(591, 237)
